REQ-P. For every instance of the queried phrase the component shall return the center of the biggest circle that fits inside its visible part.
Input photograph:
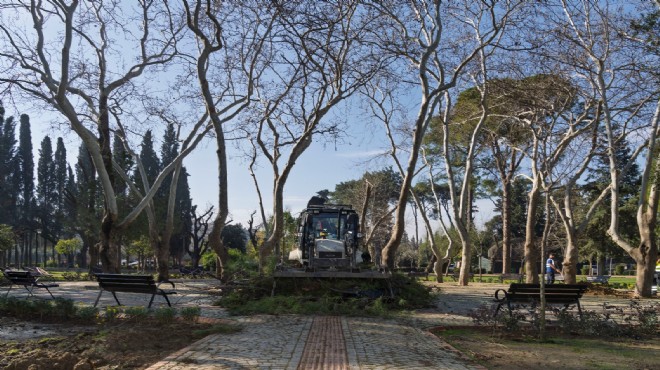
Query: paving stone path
(306, 343)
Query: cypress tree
(124, 160)
(87, 205)
(8, 170)
(26, 172)
(149, 160)
(59, 178)
(46, 188)
(60, 175)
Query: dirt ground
(559, 352)
(121, 345)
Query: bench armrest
(497, 295)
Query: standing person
(550, 269)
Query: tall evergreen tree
(46, 189)
(149, 160)
(26, 172)
(8, 170)
(183, 223)
(124, 160)
(168, 152)
(60, 168)
(86, 199)
(59, 179)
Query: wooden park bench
(600, 279)
(564, 294)
(515, 277)
(145, 284)
(28, 281)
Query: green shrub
(191, 313)
(138, 313)
(585, 270)
(111, 313)
(87, 313)
(165, 315)
(619, 269)
(377, 307)
(64, 308)
(208, 260)
(42, 309)
(241, 265)
(72, 276)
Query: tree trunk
(108, 247)
(645, 269)
(569, 265)
(531, 250)
(506, 228)
(270, 245)
(215, 237)
(162, 255)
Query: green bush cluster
(48, 310)
(60, 309)
(190, 314)
(353, 297)
(164, 315)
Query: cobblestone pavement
(278, 342)
(307, 342)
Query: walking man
(550, 269)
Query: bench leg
(497, 310)
(29, 290)
(152, 300)
(116, 299)
(51, 294)
(167, 300)
(579, 310)
(98, 297)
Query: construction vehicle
(328, 241)
(328, 238)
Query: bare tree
(231, 92)
(321, 60)
(421, 36)
(200, 227)
(106, 50)
(621, 73)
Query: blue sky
(322, 166)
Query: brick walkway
(325, 347)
